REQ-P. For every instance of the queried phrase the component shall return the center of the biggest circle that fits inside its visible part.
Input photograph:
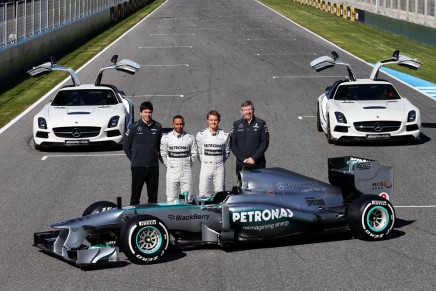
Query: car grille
(77, 132)
(377, 126)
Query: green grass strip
(364, 41)
(15, 100)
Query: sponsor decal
(382, 203)
(178, 154)
(172, 148)
(381, 185)
(189, 217)
(270, 193)
(212, 145)
(282, 186)
(213, 152)
(315, 202)
(262, 215)
(147, 222)
(266, 226)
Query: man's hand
(249, 161)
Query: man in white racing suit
(213, 150)
(178, 151)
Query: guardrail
(420, 12)
(26, 18)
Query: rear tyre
(370, 217)
(318, 119)
(144, 239)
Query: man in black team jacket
(249, 139)
(141, 145)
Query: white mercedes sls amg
(83, 114)
(366, 109)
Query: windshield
(361, 92)
(84, 98)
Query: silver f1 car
(267, 204)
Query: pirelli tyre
(99, 206)
(371, 217)
(144, 239)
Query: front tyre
(318, 119)
(329, 132)
(144, 239)
(370, 217)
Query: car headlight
(411, 116)
(42, 123)
(113, 122)
(340, 117)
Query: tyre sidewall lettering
(369, 207)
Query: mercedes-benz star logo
(76, 133)
(378, 127)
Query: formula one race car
(267, 204)
(366, 109)
(84, 114)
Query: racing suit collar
(178, 135)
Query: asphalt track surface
(217, 54)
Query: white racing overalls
(178, 152)
(213, 151)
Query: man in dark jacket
(249, 139)
(141, 145)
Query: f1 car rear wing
(126, 66)
(362, 175)
(396, 59)
(325, 62)
(51, 66)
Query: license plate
(77, 142)
(378, 136)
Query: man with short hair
(213, 150)
(178, 150)
(249, 139)
(141, 145)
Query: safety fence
(415, 11)
(26, 18)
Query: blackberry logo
(171, 217)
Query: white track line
(156, 95)
(164, 47)
(73, 156)
(173, 65)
